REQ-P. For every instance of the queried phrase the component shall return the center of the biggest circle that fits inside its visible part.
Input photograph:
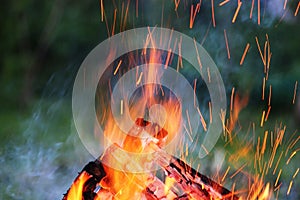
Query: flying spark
(244, 54)
(226, 42)
(236, 11)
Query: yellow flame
(75, 192)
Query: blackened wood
(96, 171)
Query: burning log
(99, 181)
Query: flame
(260, 191)
(266, 193)
(153, 104)
(75, 192)
(237, 104)
(169, 182)
(124, 185)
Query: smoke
(42, 162)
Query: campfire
(178, 180)
(139, 163)
(150, 125)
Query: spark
(226, 42)
(278, 176)
(265, 55)
(258, 154)
(293, 143)
(210, 112)
(295, 174)
(262, 119)
(186, 150)
(236, 11)
(213, 13)
(121, 107)
(114, 23)
(222, 117)
(244, 54)
(139, 79)
(208, 75)
(223, 2)
(277, 188)
(231, 99)
(198, 57)
(170, 40)
(268, 112)
(238, 171)
(168, 58)
(193, 13)
(102, 10)
(202, 119)
(260, 52)
(292, 155)
(251, 11)
(272, 139)
(179, 51)
(126, 15)
(188, 133)
(297, 9)
(289, 189)
(232, 190)
(263, 89)
(263, 148)
(277, 141)
(295, 92)
(203, 147)
(270, 95)
(226, 172)
(118, 66)
(151, 39)
(258, 12)
(176, 4)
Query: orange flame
(75, 192)
(237, 104)
(156, 106)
